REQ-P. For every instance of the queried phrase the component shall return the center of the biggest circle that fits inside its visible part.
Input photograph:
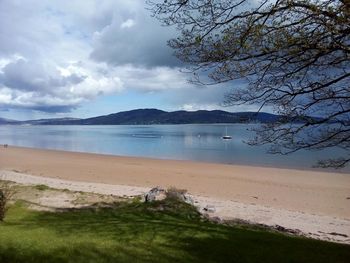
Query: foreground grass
(165, 231)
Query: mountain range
(155, 116)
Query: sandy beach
(316, 203)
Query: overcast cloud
(56, 56)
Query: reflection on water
(185, 142)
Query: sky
(82, 58)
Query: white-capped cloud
(57, 55)
(61, 54)
(214, 106)
(152, 79)
(29, 84)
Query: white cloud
(30, 84)
(5, 96)
(203, 106)
(56, 55)
(127, 24)
(152, 79)
(45, 49)
(195, 107)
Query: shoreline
(281, 167)
(316, 203)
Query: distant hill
(7, 121)
(155, 116)
(54, 121)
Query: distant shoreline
(156, 116)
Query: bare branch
(294, 56)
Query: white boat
(226, 137)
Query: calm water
(182, 142)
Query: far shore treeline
(155, 116)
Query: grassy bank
(135, 232)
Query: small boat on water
(226, 137)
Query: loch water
(197, 142)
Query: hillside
(7, 121)
(155, 116)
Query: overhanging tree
(294, 56)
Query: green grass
(41, 187)
(165, 231)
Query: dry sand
(317, 203)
